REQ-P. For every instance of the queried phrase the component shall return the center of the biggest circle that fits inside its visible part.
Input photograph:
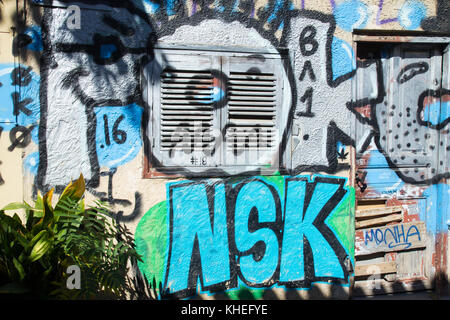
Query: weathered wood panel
(377, 221)
(376, 268)
(372, 212)
(398, 237)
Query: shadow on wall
(27, 42)
(439, 284)
(146, 291)
(150, 291)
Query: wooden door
(400, 93)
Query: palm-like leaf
(53, 238)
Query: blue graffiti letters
(303, 227)
(257, 217)
(224, 233)
(393, 236)
(199, 241)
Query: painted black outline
(416, 68)
(435, 94)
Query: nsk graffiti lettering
(222, 233)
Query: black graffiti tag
(20, 137)
(307, 67)
(411, 70)
(308, 43)
(119, 136)
(20, 105)
(308, 47)
(21, 76)
(109, 198)
(307, 97)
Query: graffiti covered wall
(79, 96)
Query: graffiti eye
(434, 108)
(108, 49)
(411, 70)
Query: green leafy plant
(35, 255)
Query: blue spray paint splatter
(277, 7)
(343, 61)
(107, 50)
(35, 34)
(380, 177)
(31, 163)
(218, 95)
(151, 7)
(411, 14)
(434, 207)
(170, 7)
(436, 113)
(351, 14)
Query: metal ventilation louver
(251, 111)
(186, 110)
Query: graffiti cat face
(91, 64)
(411, 137)
(408, 116)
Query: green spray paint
(151, 243)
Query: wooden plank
(376, 268)
(397, 237)
(377, 221)
(372, 212)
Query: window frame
(152, 166)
